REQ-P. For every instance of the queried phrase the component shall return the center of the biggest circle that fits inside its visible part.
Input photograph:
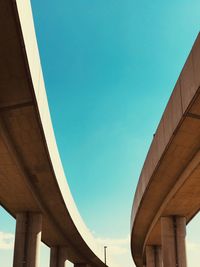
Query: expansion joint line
(26, 241)
(175, 240)
(155, 255)
(16, 106)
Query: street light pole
(105, 247)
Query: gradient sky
(109, 68)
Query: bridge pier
(81, 265)
(173, 232)
(27, 239)
(153, 256)
(58, 256)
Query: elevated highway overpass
(168, 191)
(33, 186)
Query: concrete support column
(81, 265)
(58, 257)
(153, 256)
(27, 239)
(173, 232)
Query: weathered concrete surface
(169, 181)
(31, 174)
(153, 256)
(58, 257)
(173, 232)
(27, 240)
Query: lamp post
(105, 247)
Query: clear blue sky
(109, 68)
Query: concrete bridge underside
(168, 191)
(33, 186)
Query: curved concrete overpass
(33, 186)
(168, 191)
